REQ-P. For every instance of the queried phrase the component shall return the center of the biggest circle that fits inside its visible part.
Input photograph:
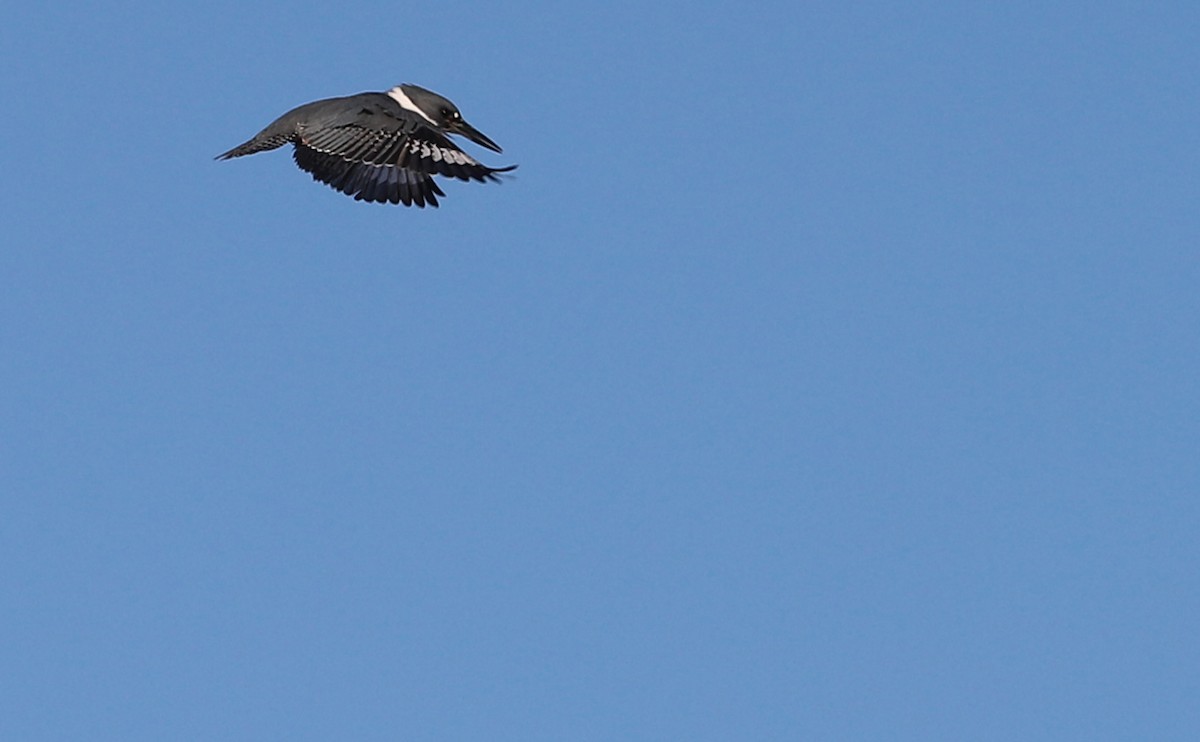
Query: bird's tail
(257, 144)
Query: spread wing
(393, 164)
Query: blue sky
(827, 371)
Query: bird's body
(381, 147)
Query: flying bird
(379, 147)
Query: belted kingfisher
(381, 147)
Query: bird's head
(444, 114)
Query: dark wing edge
(370, 182)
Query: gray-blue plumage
(379, 147)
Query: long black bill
(477, 136)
